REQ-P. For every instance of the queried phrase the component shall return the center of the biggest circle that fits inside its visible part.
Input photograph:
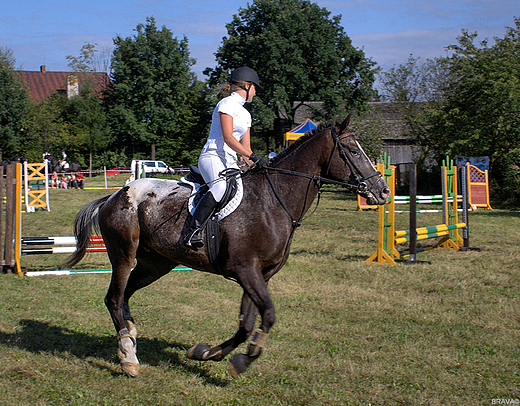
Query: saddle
(230, 201)
(196, 178)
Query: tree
(151, 80)
(300, 54)
(87, 129)
(90, 59)
(45, 128)
(480, 114)
(415, 81)
(14, 107)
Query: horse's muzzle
(378, 194)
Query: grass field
(347, 333)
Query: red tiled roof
(43, 83)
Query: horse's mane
(296, 144)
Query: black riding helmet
(245, 74)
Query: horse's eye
(355, 152)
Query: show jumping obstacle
(96, 245)
(478, 193)
(12, 229)
(448, 232)
(14, 245)
(36, 197)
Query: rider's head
(241, 78)
(245, 74)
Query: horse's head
(349, 163)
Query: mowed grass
(347, 332)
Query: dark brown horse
(144, 223)
(55, 165)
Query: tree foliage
(415, 80)
(300, 54)
(480, 112)
(87, 126)
(14, 107)
(90, 59)
(151, 87)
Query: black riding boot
(203, 211)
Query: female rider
(229, 134)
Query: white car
(150, 166)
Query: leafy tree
(404, 83)
(14, 107)
(90, 59)
(45, 128)
(300, 54)
(151, 82)
(87, 128)
(85, 61)
(480, 112)
(415, 81)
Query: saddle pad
(227, 209)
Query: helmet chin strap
(247, 91)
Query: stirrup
(193, 241)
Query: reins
(359, 184)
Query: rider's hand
(258, 161)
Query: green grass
(347, 332)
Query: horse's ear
(343, 126)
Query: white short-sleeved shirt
(232, 105)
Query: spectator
(72, 181)
(64, 182)
(54, 180)
(80, 181)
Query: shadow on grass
(39, 337)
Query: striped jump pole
(179, 268)
(424, 233)
(97, 245)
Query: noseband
(357, 184)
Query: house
(42, 84)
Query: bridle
(357, 184)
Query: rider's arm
(244, 149)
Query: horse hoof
(198, 352)
(130, 369)
(237, 365)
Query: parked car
(117, 171)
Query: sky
(44, 32)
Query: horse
(55, 165)
(146, 220)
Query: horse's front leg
(248, 313)
(255, 300)
(256, 289)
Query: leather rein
(357, 184)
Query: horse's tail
(86, 221)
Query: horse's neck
(299, 188)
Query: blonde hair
(227, 88)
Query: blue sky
(44, 32)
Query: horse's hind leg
(121, 249)
(148, 269)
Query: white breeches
(211, 164)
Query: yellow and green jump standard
(448, 232)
